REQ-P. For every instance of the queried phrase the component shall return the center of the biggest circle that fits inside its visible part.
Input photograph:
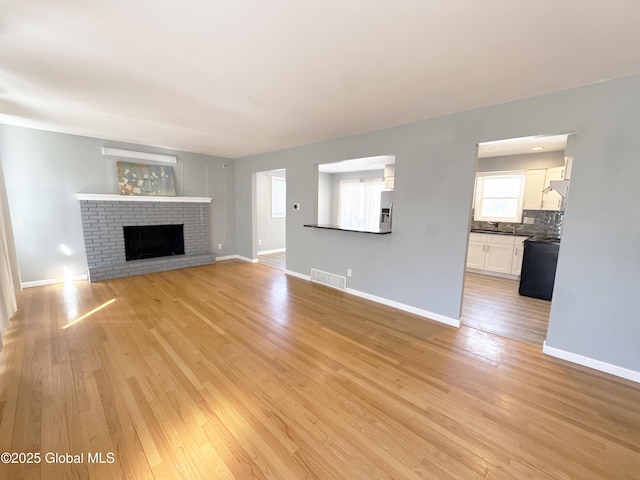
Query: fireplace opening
(153, 241)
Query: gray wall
(521, 162)
(271, 231)
(43, 170)
(422, 262)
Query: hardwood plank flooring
(275, 260)
(493, 304)
(237, 371)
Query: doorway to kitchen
(271, 218)
(518, 209)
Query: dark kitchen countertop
(336, 227)
(494, 232)
(532, 237)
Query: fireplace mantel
(108, 197)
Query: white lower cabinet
(500, 254)
(476, 254)
(518, 250)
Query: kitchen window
(359, 203)
(499, 197)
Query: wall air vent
(329, 279)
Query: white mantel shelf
(108, 197)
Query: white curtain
(359, 203)
(9, 276)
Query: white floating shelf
(107, 197)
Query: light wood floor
(493, 304)
(275, 260)
(236, 371)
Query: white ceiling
(523, 145)
(358, 164)
(234, 78)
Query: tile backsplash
(547, 223)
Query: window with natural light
(278, 197)
(499, 197)
(359, 203)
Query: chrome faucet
(495, 225)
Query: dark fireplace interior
(153, 241)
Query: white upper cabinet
(552, 200)
(533, 186)
(535, 182)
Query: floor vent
(329, 279)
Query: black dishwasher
(539, 262)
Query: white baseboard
(236, 257)
(275, 250)
(391, 303)
(226, 257)
(298, 275)
(51, 281)
(591, 363)
(407, 308)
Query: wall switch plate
(529, 220)
(219, 246)
(259, 242)
(348, 272)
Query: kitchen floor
(493, 304)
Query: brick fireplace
(105, 216)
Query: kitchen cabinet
(535, 181)
(552, 200)
(476, 253)
(533, 186)
(518, 251)
(498, 254)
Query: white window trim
(478, 197)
